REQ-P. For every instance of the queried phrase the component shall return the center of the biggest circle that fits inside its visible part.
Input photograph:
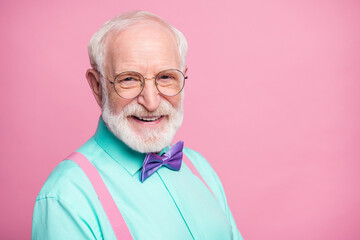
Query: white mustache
(135, 109)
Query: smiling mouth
(148, 118)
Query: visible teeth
(149, 119)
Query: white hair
(121, 22)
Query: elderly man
(127, 181)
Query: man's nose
(149, 97)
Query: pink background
(272, 101)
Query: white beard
(147, 140)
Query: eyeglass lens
(130, 84)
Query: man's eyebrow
(160, 68)
(118, 72)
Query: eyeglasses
(130, 84)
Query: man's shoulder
(65, 179)
(68, 197)
(62, 181)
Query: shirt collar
(130, 159)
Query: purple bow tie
(171, 159)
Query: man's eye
(128, 79)
(165, 77)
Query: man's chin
(150, 139)
(148, 144)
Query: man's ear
(93, 78)
(186, 69)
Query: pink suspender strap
(112, 211)
(195, 171)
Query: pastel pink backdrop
(272, 101)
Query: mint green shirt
(168, 205)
